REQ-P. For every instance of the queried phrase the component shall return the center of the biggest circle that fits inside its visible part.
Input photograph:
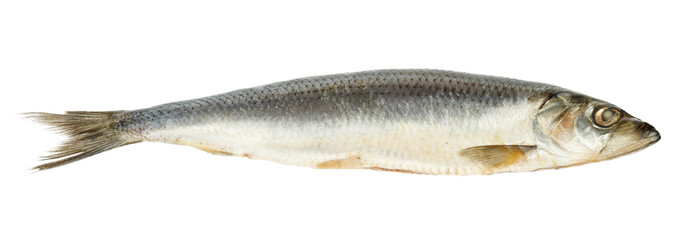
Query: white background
(97, 55)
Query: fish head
(575, 129)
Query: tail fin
(89, 133)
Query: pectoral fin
(496, 156)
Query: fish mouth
(649, 136)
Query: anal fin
(496, 156)
(346, 163)
(394, 170)
(204, 148)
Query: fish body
(420, 121)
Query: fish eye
(606, 116)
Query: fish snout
(649, 132)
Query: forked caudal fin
(89, 133)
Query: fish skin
(406, 120)
(382, 93)
(428, 100)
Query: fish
(404, 120)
